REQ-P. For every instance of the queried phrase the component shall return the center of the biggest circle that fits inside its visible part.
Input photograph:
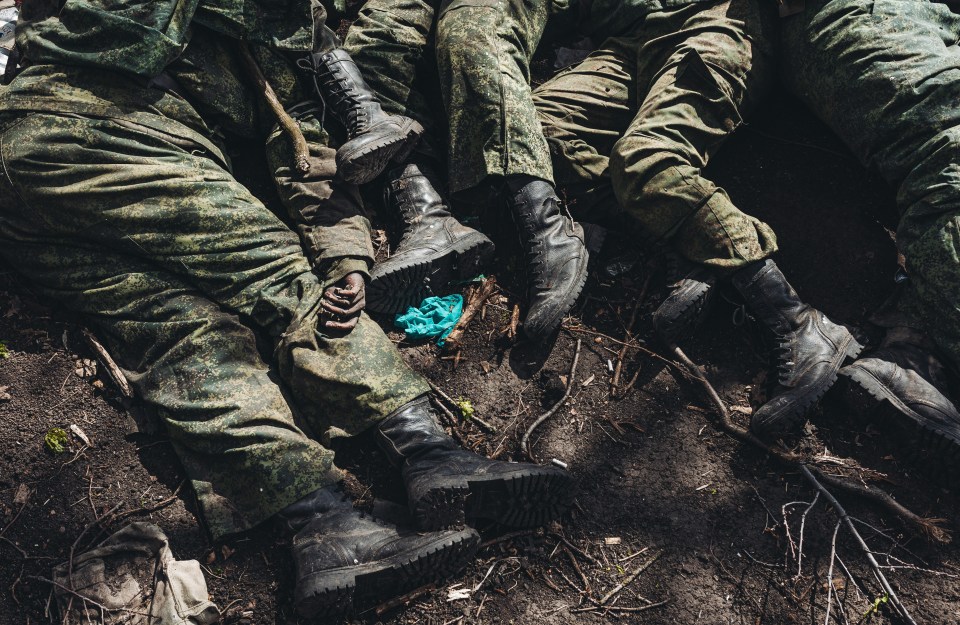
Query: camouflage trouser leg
(885, 76)
(151, 238)
(392, 43)
(483, 54)
(645, 113)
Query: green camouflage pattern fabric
(643, 115)
(482, 50)
(118, 201)
(143, 37)
(885, 76)
(611, 18)
(393, 42)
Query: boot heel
(853, 350)
(331, 596)
(440, 508)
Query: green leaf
(466, 408)
(56, 440)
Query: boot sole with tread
(362, 165)
(337, 592)
(408, 284)
(529, 497)
(555, 321)
(869, 399)
(682, 324)
(801, 408)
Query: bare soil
(656, 474)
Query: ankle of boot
(321, 501)
(743, 278)
(412, 430)
(515, 183)
(520, 188)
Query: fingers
(344, 302)
(347, 310)
(346, 325)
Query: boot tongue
(326, 500)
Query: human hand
(343, 302)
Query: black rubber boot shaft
(448, 486)
(345, 559)
(809, 349)
(434, 250)
(374, 138)
(557, 258)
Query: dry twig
(616, 589)
(476, 296)
(505, 538)
(643, 608)
(887, 588)
(483, 425)
(833, 557)
(301, 151)
(525, 441)
(576, 567)
(116, 375)
(404, 600)
(577, 550)
(627, 338)
(929, 527)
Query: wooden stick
(525, 441)
(511, 330)
(116, 375)
(576, 566)
(929, 527)
(643, 567)
(404, 600)
(577, 550)
(480, 422)
(627, 337)
(595, 608)
(505, 538)
(301, 151)
(474, 303)
(887, 588)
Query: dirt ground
(656, 474)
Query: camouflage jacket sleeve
(329, 213)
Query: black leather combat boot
(435, 248)
(345, 558)
(556, 257)
(448, 485)
(809, 351)
(374, 138)
(904, 385)
(692, 290)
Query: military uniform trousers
(129, 215)
(647, 110)
(482, 49)
(885, 76)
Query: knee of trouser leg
(463, 24)
(929, 186)
(637, 159)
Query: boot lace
(782, 358)
(339, 89)
(534, 253)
